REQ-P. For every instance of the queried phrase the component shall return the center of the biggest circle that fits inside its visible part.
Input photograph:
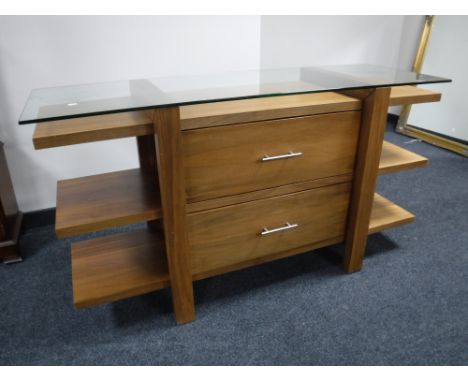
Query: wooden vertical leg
(373, 122)
(172, 186)
(146, 152)
(147, 159)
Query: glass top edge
(58, 103)
(142, 108)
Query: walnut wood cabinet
(227, 185)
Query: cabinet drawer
(229, 160)
(233, 234)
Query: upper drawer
(229, 160)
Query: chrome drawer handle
(291, 154)
(267, 231)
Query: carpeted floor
(408, 306)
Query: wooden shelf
(406, 95)
(91, 129)
(386, 214)
(129, 124)
(115, 267)
(107, 200)
(395, 158)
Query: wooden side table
(10, 216)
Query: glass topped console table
(236, 169)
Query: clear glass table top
(74, 101)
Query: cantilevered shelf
(395, 158)
(115, 267)
(386, 214)
(107, 200)
(137, 123)
(407, 95)
(91, 129)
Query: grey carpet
(408, 306)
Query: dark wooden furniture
(10, 216)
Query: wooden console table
(228, 184)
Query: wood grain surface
(266, 108)
(97, 202)
(223, 161)
(90, 129)
(172, 188)
(230, 235)
(115, 267)
(374, 120)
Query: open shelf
(406, 95)
(115, 267)
(386, 214)
(90, 129)
(395, 158)
(103, 201)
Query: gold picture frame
(413, 131)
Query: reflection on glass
(110, 97)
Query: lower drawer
(234, 234)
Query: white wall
(52, 51)
(330, 40)
(410, 37)
(333, 40)
(446, 56)
(48, 51)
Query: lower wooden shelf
(395, 158)
(115, 267)
(386, 214)
(103, 201)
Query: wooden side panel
(172, 187)
(374, 118)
